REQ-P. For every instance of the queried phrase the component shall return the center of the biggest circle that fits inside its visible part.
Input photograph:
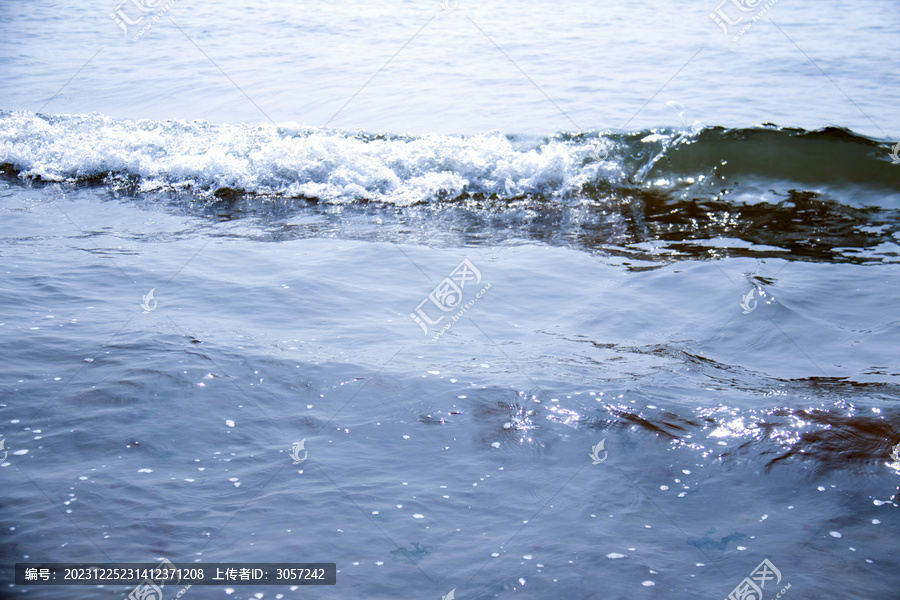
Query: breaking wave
(340, 167)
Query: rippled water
(523, 67)
(674, 354)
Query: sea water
(578, 301)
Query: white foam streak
(332, 166)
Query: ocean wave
(340, 167)
(290, 161)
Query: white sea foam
(331, 166)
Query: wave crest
(288, 161)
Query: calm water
(219, 240)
